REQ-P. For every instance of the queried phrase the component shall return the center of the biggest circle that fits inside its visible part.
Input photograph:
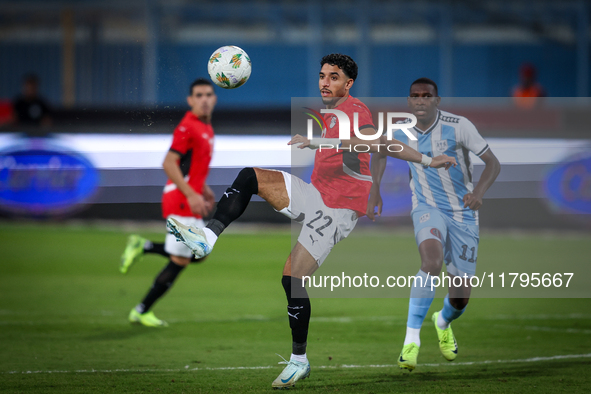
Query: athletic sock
(299, 348)
(448, 314)
(140, 308)
(413, 335)
(234, 201)
(421, 297)
(215, 227)
(298, 310)
(210, 236)
(158, 248)
(302, 358)
(162, 283)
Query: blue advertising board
(38, 177)
(568, 185)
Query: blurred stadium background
(115, 75)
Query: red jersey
(193, 140)
(342, 177)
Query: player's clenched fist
(472, 201)
(444, 161)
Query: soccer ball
(229, 67)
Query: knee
(286, 282)
(431, 266)
(246, 180)
(246, 172)
(431, 252)
(294, 288)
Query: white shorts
(175, 248)
(322, 227)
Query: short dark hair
(426, 81)
(344, 62)
(199, 82)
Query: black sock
(158, 248)
(234, 201)
(163, 282)
(298, 310)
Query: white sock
(441, 323)
(210, 236)
(299, 358)
(412, 335)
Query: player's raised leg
(268, 184)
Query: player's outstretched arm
(399, 150)
(492, 169)
(404, 152)
(393, 148)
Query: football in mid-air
(229, 67)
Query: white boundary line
(522, 360)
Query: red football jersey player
(191, 151)
(343, 177)
(186, 197)
(328, 208)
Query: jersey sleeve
(470, 138)
(181, 140)
(365, 118)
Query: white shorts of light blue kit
(175, 248)
(322, 227)
(460, 240)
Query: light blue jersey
(444, 189)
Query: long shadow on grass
(456, 376)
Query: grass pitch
(64, 329)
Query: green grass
(64, 306)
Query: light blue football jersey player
(454, 136)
